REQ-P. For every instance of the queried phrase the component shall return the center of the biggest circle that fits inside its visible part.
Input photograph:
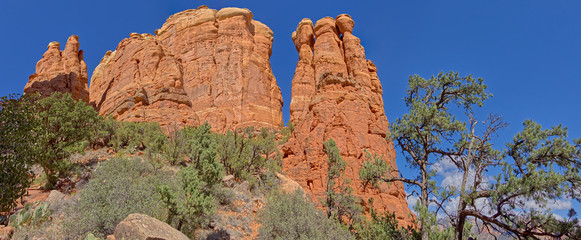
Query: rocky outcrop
(202, 65)
(61, 71)
(337, 95)
(142, 227)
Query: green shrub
(291, 216)
(190, 205)
(201, 149)
(224, 196)
(16, 124)
(103, 133)
(286, 132)
(90, 236)
(340, 204)
(372, 170)
(119, 187)
(246, 154)
(133, 136)
(384, 227)
(65, 126)
(200, 143)
(174, 150)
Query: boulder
(142, 227)
(54, 197)
(288, 185)
(228, 181)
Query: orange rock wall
(336, 94)
(202, 65)
(213, 65)
(61, 71)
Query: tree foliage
(133, 136)
(340, 204)
(384, 226)
(118, 187)
(420, 133)
(64, 126)
(373, 170)
(538, 166)
(16, 124)
(292, 216)
(246, 154)
(190, 204)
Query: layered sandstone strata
(337, 95)
(202, 65)
(61, 71)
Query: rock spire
(336, 94)
(61, 71)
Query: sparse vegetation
(190, 204)
(246, 154)
(119, 187)
(384, 227)
(131, 137)
(291, 216)
(178, 178)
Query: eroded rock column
(61, 71)
(338, 96)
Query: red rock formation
(62, 71)
(336, 94)
(202, 65)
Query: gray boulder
(142, 227)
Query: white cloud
(556, 204)
(558, 217)
(412, 200)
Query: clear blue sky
(528, 52)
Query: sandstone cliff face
(202, 65)
(61, 71)
(336, 94)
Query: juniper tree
(64, 126)
(340, 204)
(421, 132)
(245, 154)
(16, 124)
(537, 166)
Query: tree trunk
(424, 201)
(461, 206)
(462, 201)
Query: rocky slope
(202, 65)
(337, 95)
(207, 65)
(61, 71)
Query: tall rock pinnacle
(337, 95)
(61, 71)
(202, 65)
